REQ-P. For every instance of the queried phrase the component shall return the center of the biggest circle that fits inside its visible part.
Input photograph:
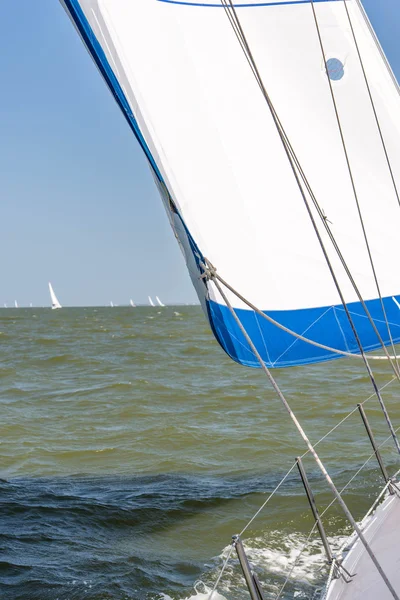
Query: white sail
(223, 172)
(5, 305)
(131, 302)
(111, 304)
(159, 301)
(15, 304)
(151, 302)
(54, 301)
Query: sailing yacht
(159, 301)
(131, 302)
(111, 304)
(276, 153)
(54, 301)
(15, 304)
(151, 301)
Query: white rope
(349, 415)
(290, 331)
(308, 443)
(267, 500)
(304, 546)
(357, 473)
(333, 502)
(222, 571)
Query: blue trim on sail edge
(240, 5)
(327, 325)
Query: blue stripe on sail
(242, 5)
(326, 325)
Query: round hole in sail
(335, 69)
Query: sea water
(132, 449)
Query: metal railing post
(314, 509)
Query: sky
(78, 205)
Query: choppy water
(132, 448)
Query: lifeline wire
(287, 475)
(372, 378)
(334, 500)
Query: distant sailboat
(5, 305)
(15, 304)
(54, 301)
(159, 301)
(30, 305)
(111, 304)
(131, 302)
(151, 302)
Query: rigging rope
(294, 162)
(350, 171)
(235, 22)
(222, 571)
(274, 491)
(372, 103)
(210, 269)
(296, 335)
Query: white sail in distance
(223, 172)
(54, 301)
(15, 304)
(159, 301)
(151, 301)
(111, 304)
(131, 302)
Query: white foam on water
(277, 553)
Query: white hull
(381, 531)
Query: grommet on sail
(184, 84)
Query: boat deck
(382, 530)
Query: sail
(111, 304)
(151, 302)
(131, 302)
(159, 301)
(184, 85)
(54, 301)
(15, 304)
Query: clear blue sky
(78, 205)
